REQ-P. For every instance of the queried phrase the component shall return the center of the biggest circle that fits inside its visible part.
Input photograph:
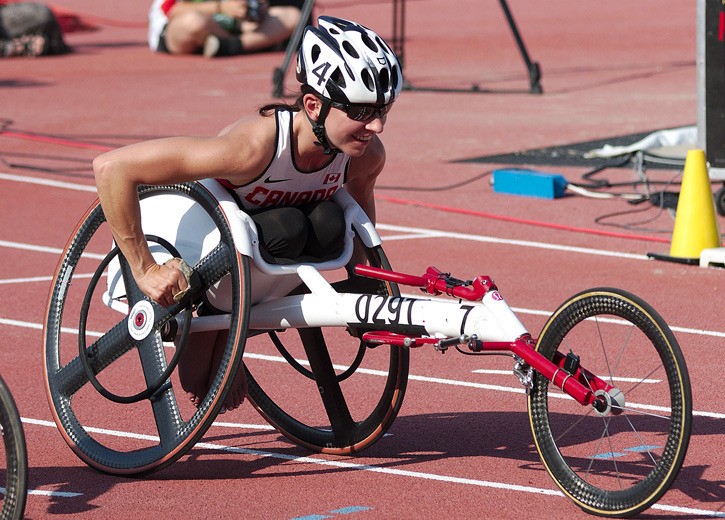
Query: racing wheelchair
(325, 348)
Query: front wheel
(617, 463)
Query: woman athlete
(283, 166)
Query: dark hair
(271, 108)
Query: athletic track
(461, 446)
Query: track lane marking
(45, 249)
(47, 182)
(449, 479)
(44, 492)
(619, 379)
(412, 377)
(47, 493)
(434, 233)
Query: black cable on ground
(436, 188)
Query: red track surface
(455, 451)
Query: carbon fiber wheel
(109, 375)
(15, 482)
(620, 462)
(322, 388)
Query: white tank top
(283, 184)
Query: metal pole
(294, 42)
(532, 67)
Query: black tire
(134, 436)
(616, 464)
(16, 457)
(345, 406)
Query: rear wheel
(110, 376)
(621, 461)
(323, 388)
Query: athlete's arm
(239, 155)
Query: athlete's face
(351, 136)
(351, 127)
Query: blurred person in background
(29, 29)
(221, 27)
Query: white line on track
(407, 232)
(412, 377)
(35, 279)
(45, 492)
(426, 233)
(30, 247)
(45, 249)
(47, 182)
(619, 379)
(449, 479)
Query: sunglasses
(362, 113)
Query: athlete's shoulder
(250, 145)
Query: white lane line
(23, 324)
(44, 492)
(449, 479)
(36, 279)
(30, 247)
(426, 233)
(412, 377)
(471, 384)
(33, 279)
(413, 236)
(47, 182)
(44, 249)
(244, 426)
(62, 494)
(619, 379)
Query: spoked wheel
(618, 462)
(110, 352)
(15, 483)
(323, 388)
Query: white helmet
(348, 63)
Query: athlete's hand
(165, 284)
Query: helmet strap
(318, 128)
